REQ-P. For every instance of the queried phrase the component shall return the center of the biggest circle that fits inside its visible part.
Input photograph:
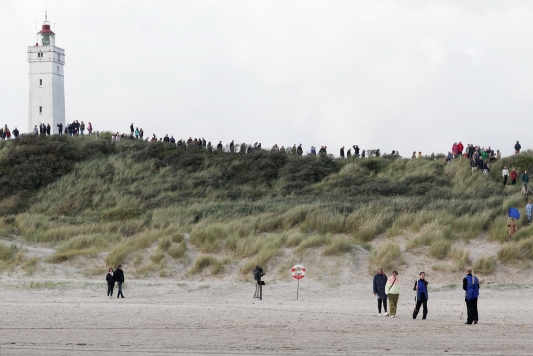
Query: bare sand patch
(221, 318)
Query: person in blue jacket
(421, 288)
(471, 288)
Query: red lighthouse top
(46, 30)
(46, 35)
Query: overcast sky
(403, 75)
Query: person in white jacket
(505, 174)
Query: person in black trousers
(110, 283)
(258, 273)
(380, 280)
(471, 288)
(421, 288)
(119, 278)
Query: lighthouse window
(40, 110)
(40, 82)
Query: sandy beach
(221, 318)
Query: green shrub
(158, 256)
(387, 255)
(460, 258)
(122, 214)
(314, 241)
(338, 247)
(440, 249)
(202, 263)
(516, 251)
(164, 244)
(178, 251)
(485, 265)
(7, 253)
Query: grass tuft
(485, 265)
(387, 255)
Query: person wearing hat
(380, 281)
(393, 292)
(471, 288)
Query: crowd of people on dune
(5, 133)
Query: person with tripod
(258, 273)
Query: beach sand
(166, 317)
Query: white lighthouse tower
(47, 81)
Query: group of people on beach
(388, 289)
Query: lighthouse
(47, 81)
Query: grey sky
(404, 75)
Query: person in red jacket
(460, 148)
(513, 176)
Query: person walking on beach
(258, 273)
(421, 288)
(471, 288)
(119, 278)
(513, 176)
(505, 174)
(380, 280)
(393, 292)
(110, 283)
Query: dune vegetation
(85, 196)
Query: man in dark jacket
(232, 146)
(16, 133)
(342, 152)
(525, 178)
(219, 146)
(299, 150)
(258, 273)
(380, 280)
(517, 148)
(118, 275)
(60, 128)
(471, 288)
